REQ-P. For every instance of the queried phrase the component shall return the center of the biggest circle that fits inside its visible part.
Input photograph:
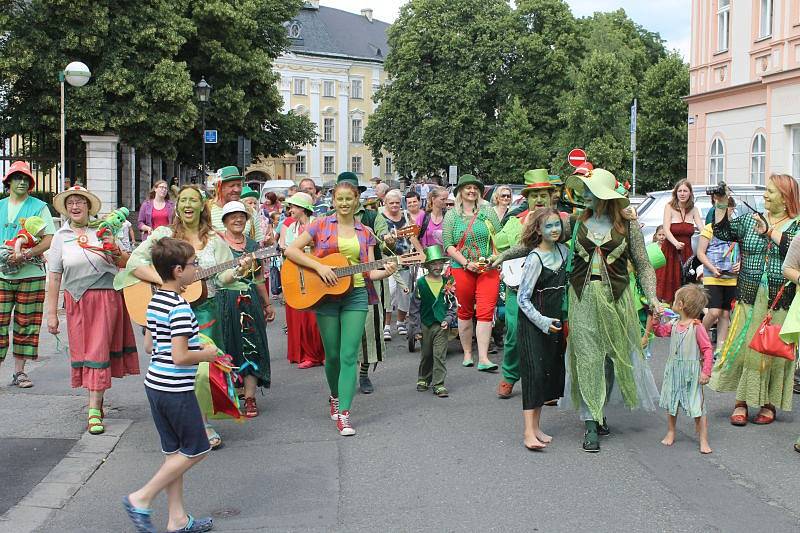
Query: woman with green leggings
(338, 318)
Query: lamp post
(203, 92)
(76, 74)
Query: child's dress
(690, 353)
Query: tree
(515, 147)
(662, 127)
(446, 65)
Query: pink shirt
(703, 342)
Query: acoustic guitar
(138, 296)
(303, 288)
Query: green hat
(247, 192)
(350, 177)
(600, 182)
(468, 179)
(535, 180)
(556, 180)
(34, 224)
(229, 174)
(655, 255)
(434, 253)
(301, 199)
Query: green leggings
(341, 352)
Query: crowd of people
(565, 276)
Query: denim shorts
(355, 300)
(179, 422)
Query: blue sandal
(195, 525)
(139, 517)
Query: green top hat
(600, 182)
(351, 178)
(247, 192)
(230, 173)
(536, 179)
(468, 179)
(556, 180)
(434, 253)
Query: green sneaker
(422, 385)
(440, 391)
(591, 441)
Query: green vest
(432, 309)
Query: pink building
(744, 95)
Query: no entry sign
(576, 157)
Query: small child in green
(437, 309)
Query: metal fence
(42, 153)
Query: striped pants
(25, 298)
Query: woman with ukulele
(192, 223)
(340, 317)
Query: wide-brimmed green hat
(468, 179)
(535, 180)
(351, 178)
(247, 192)
(434, 253)
(301, 199)
(600, 182)
(229, 173)
(556, 180)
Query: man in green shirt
(22, 293)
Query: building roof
(332, 32)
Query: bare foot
(533, 443)
(704, 447)
(669, 439)
(544, 437)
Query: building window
(717, 162)
(329, 89)
(327, 130)
(295, 30)
(796, 151)
(389, 169)
(299, 86)
(358, 132)
(356, 89)
(723, 24)
(355, 164)
(300, 165)
(758, 160)
(765, 26)
(327, 164)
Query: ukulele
(303, 288)
(138, 295)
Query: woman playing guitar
(341, 318)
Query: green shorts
(355, 300)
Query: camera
(720, 190)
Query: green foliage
(515, 146)
(145, 58)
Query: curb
(65, 479)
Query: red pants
(476, 293)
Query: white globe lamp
(77, 74)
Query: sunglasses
(505, 196)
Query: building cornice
(724, 91)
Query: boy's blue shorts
(179, 422)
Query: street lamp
(76, 74)
(203, 92)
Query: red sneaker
(343, 424)
(334, 408)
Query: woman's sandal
(762, 419)
(487, 367)
(21, 380)
(95, 424)
(739, 420)
(214, 440)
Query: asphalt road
(423, 463)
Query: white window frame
(723, 25)
(357, 93)
(716, 161)
(328, 126)
(299, 86)
(328, 164)
(388, 165)
(326, 84)
(796, 151)
(766, 19)
(356, 166)
(758, 159)
(300, 164)
(356, 126)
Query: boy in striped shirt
(173, 339)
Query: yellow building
(330, 73)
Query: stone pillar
(157, 167)
(145, 176)
(128, 177)
(101, 168)
(170, 171)
(313, 158)
(343, 147)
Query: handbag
(767, 338)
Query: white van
(279, 187)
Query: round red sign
(576, 157)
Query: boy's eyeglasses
(195, 263)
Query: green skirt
(244, 332)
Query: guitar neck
(342, 272)
(203, 273)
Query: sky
(670, 18)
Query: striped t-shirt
(168, 316)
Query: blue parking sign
(210, 136)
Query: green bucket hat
(556, 180)
(301, 199)
(536, 179)
(434, 253)
(351, 178)
(468, 179)
(247, 192)
(229, 174)
(655, 255)
(600, 182)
